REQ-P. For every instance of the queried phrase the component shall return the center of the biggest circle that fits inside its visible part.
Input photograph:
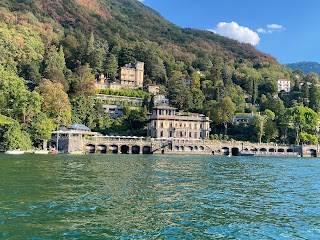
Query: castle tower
(139, 74)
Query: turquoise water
(158, 197)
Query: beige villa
(165, 122)
(131, 76)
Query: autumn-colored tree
(55, 102)
(83, 82)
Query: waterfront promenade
(139, 145)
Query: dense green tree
(273, 103)
(30, 70)
(126, 56)
(18, 42)
(314, 98)
(16, 101)
(83, 82)
(15, 138)
(197, 99)
(222, 112)
(208, 89)
(312, 78)
(271, 131)
(41, 129)
(195, 78)
(305, 94)
(303, 119)
(55, 102)
(309, 138)
(112, 67)
(55, 59)
(179, 93)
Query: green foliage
(125, 92)
(83, 82)
(16, 101)
(19, 42)
(41, 129)
(5, 120)
(309, 138)
(303, 119)
(90, 113)
(55, 102)
(14, 138)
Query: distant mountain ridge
(305, 66)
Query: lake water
(158, 197)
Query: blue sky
(285, 29)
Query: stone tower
(139, 74)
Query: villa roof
(80, 127)
(164, 107)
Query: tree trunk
(44, 144)
(225, 128)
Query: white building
(160, 99)
(283, 85)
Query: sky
(288, 30)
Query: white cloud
(271, 28)
(261, 30)
(235, 31)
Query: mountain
(53, 50)
(127, 20)
(305, 67)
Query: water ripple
(158, 197)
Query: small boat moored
(15, 152)
(246, 153)
(53, 151)
(41, 151)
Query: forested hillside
(51, 52)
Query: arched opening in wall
(124, 149)
(263, 150)
(195, 148)
(281, 150)
(313, 152)
(254, 150)
(272, 150)
(176, 148)
(225, 151)
(114, 149)
(235, 151)
(201, 148)
(289, 150)
(182, 148)
(135, 149)
(146, 150)
(102, 149)
(90, 148)
(189, 148)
